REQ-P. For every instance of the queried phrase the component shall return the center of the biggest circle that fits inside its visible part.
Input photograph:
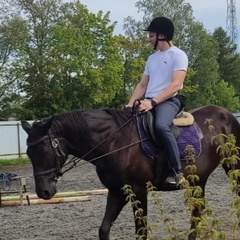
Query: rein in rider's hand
(146, 105)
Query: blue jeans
(165, 113)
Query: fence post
(18, 137)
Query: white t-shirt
(160, 67)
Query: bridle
(57, 151)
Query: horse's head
(47, 154)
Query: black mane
(73, 120)
(120, 116)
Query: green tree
(57, 56)
(68, 59)
(88, 54)
(205, 66)
(33, 60)
(134, 61)
(228, 58)
(12, 34)
(225, 95)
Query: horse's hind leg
(115, 202)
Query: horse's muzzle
(46, 192)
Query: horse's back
(209, 110)
(220, 118)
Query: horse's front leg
(139, 206)
(116, 200)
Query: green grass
(14, 161)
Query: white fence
(13, 138)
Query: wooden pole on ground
(50, 201)
(58, 195)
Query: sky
(211, 13)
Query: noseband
(57, 151)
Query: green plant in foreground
(206, 227)
(138, 214)
(229, 152)
(193, 196)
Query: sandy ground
(81, 220)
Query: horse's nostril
(46, 195)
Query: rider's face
(152, 38)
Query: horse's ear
(26, 126)
(45, 124)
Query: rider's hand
(145, 105)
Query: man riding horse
(163, 78)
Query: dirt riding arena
(81, 220)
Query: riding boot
(171, 179)
(174, 179)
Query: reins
(58, 153)
(96, 158)
(75, 162)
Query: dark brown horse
(109, 139)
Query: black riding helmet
(162, 25)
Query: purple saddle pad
(188, 136)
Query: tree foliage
(57, 56)
(69, 59)
(228, 58)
